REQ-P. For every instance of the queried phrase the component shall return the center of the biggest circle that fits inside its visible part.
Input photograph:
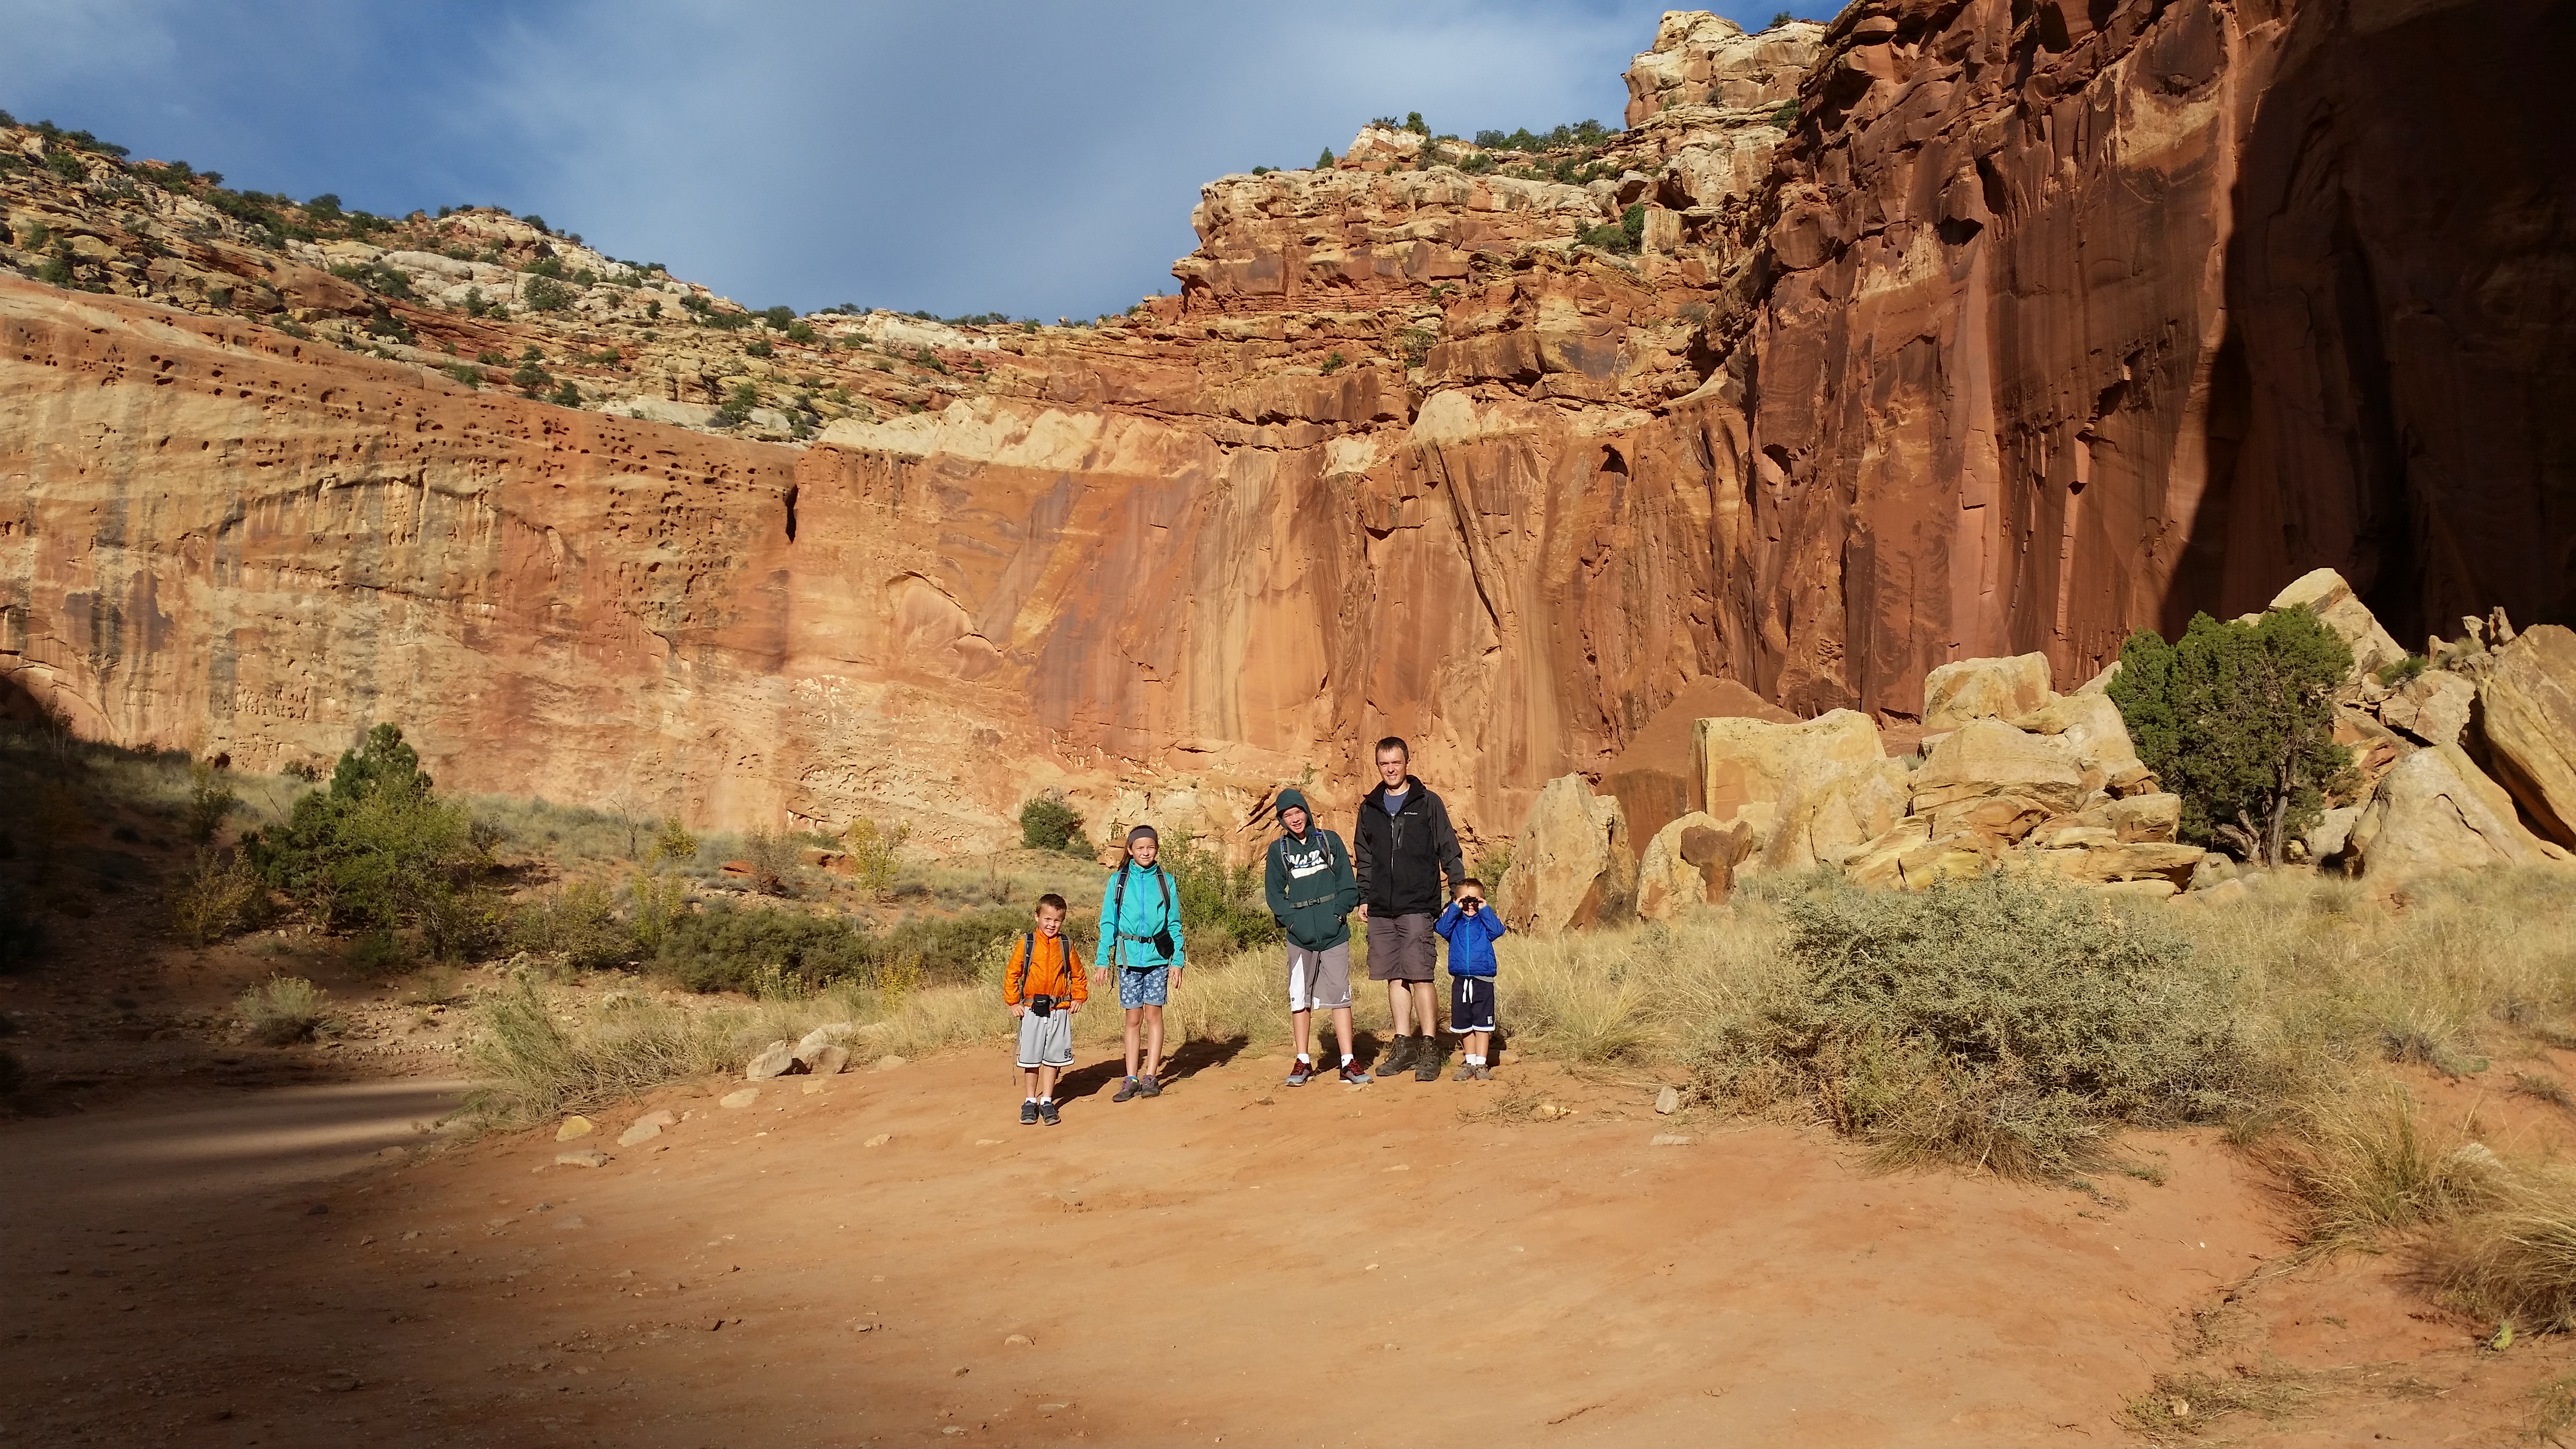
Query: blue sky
(1035, 158)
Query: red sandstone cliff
(2037, 326)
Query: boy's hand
(1019, 1008)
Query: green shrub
(727, 947)
(773, 861)
(675, 842)
(282, 1010)
(1222, 906)
(220, 896)
(873, 861)
(1333, 364)
(1779, 19)
(1047, 823)
(532, 379)
(800, 332)
(2409, 668)
(1995, 1022)
(209, 801)
(759, 347)
(1324, 162)
(738, 405)
(1786, 116)
(2238, 719)
(566, 395)
(476, 304)
(65, 165)
(545, 294)
(466, 373)
(1624, 236)
(379, 850)
(54, 271)
(576, 922)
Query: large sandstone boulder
(2437, 811)
(2431, 708)
(1747, 765)
(1572, 864)
(1911, 856)
(1690, 862)
(1974, 689)
(2325, 593)
(1989, 777)
(1830, 817)
(2090, 724)
(2527, 705)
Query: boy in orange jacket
(1044, 989)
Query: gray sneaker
(1148, 1086)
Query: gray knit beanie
(1143, 832)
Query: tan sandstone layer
(2035, 327)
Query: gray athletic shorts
(1046, 1041)
(1400, 948)
(1319, 980)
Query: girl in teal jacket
(1140, 934)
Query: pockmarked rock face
(2026, 329)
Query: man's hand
(1019, 1008)
(1073, 1006)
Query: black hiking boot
(1398, 1053)
(1426, 1060)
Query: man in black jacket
(1402, 846)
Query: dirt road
(889, 1258)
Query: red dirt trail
(1237, 1261)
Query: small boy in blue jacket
(1470, 928)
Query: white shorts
(1319, 980)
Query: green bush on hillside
(1222, 906)
(1047, 823)
(726, 947)
(2238, 719)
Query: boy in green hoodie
(1311, 888)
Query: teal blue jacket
(1152, 906)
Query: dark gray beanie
(1143, 832)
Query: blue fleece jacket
(1471, 938)
(1148, 907)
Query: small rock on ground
(880, 1140)
(887, 1064)
(774, 1060)
(587, 1157)
(825, 1061)
(1669, 1139)
(1019, 1340)
(743, 1098)
(640, 1132)
(575, 1127)
(1668, 1101)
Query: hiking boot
(1465, 1073)
(1148, 1086)
(1298, 1073)
(1393, 1059)
(1426, 1061)
(1354, 1077)
(1127, 1090)
(1484, 1073)
(1046, 1114)
(1028, 1114)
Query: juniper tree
(2238, 719)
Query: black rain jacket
(1401, 857)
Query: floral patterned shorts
(1149, 987)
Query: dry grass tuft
(282, 1009)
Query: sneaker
(1149, 1086)
(1126, 1090)
(1354, 1077)
(1393, 1059)
(1028, 1114)
(1046, 1114)
(1484, 1073)
(1465, 1073)
(1426, 1061)
(1298, 1074)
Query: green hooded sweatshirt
(1308, 881)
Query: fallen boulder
(774, 1060)
(2527, 709)
(2090, 725)
(1991, 778)
(2437, 811)
(2325, 593)
(1746, 765)
(2432, 708)
(1974, 689)
(1571, 864)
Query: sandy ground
(849, 1260)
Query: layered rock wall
(2038, 324)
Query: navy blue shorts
(1471, 1004)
